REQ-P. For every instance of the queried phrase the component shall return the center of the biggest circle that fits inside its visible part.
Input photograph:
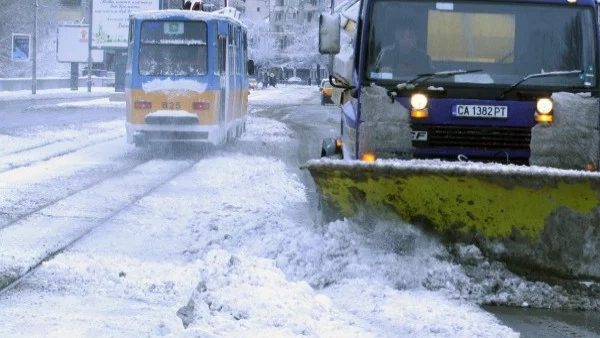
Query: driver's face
(406, 39)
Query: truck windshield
(508, 41)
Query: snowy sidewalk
(281, 94)
(57, 93)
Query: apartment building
(288, 20)
(251, 9)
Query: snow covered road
(218, 244)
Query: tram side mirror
(329, 33)
(250, 66)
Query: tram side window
(245, 68)
(231, 58)
(239, 50)
(234, 45)
(215, 40)
(222, 53)
(128, 67)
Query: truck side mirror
(329, 33)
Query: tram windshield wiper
(532, 76)
(410, 84)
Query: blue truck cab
(467, 79)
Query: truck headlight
(368, 157)
(544, 105)
(418, 101)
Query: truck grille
(475, 137)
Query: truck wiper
(410, 84)
(532, 76)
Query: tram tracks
(45, 233)
(26, 190)
(31, 155)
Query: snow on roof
(447, 167)
(186, 14)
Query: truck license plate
(480, 111)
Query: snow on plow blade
(530, 217)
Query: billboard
(21, 47)
(72, 44)
(110, 20)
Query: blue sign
(20, 47)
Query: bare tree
(299, 48)
(262, 46)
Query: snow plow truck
(478, 120)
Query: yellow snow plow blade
(505, 203)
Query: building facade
(252, 9)
(295, 24)
(292, 24)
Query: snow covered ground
(229, 249)
(54, 93)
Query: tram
(186, 77)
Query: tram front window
(173, 60)
(173, 49)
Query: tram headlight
(418, 101)
(544, 106)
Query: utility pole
(90, 34)
(331, 56)
(34, 63)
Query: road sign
(73, 44)
(21, 44)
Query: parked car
(295, 80)
(110, 79)
(326, 92)
(323, 81)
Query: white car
(323, 82)
(295, 80)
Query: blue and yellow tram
(186, 78)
